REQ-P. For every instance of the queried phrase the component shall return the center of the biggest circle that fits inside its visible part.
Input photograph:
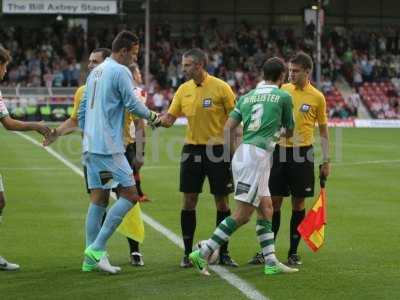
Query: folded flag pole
(312, 228)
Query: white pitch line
(366, 162)
(248, 290)
(365, 145)
(155, 168)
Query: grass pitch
(47, 203)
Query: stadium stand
(381, 98)
(56, 57)
(49, 56)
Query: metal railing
(19, 91)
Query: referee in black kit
(206, 101)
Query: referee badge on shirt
(207, 102)
(305, 108)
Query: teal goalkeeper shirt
(109, 93)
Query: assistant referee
(292, 172)
(206, 101)
(296, 175)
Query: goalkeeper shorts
(107, 171)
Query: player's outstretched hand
(42, 129)
(50, 138)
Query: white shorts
(1, 184)
(251, 166)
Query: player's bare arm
(230, 132)
(238, 135)
(140, 143)
(15, 125)
(324, 135)
(66, 127)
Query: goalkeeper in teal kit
(109, 92)
(264, 111)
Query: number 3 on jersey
(257, 112)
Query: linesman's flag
(132, 224)
(312, 228)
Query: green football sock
(220, 236)
(265, 237)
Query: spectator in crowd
(41, 51)
(326, 85)
(353, 102)
(340, 111)
(158, 100)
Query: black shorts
(197, 162)
(292, 172)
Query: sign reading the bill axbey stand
(59, 7)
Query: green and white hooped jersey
(263, 111)
(3, 108)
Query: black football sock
(133, 245)
(138, 183)
(297, 217)
(221, 215)
(276, 222)
(188, 226)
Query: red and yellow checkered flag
(312, 228)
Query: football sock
(220, 236)
(94, 219)
(265, 237)
(295, 220)
(113, 219)
(276, 222)
(133, 245)
(188, 226)
(136, 176)
(221, 215)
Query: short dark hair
(124, 39)
(273, 69)
(5, 56)
(198, 55)
(105, 52)
(302, 59)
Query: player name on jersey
(262, 98)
